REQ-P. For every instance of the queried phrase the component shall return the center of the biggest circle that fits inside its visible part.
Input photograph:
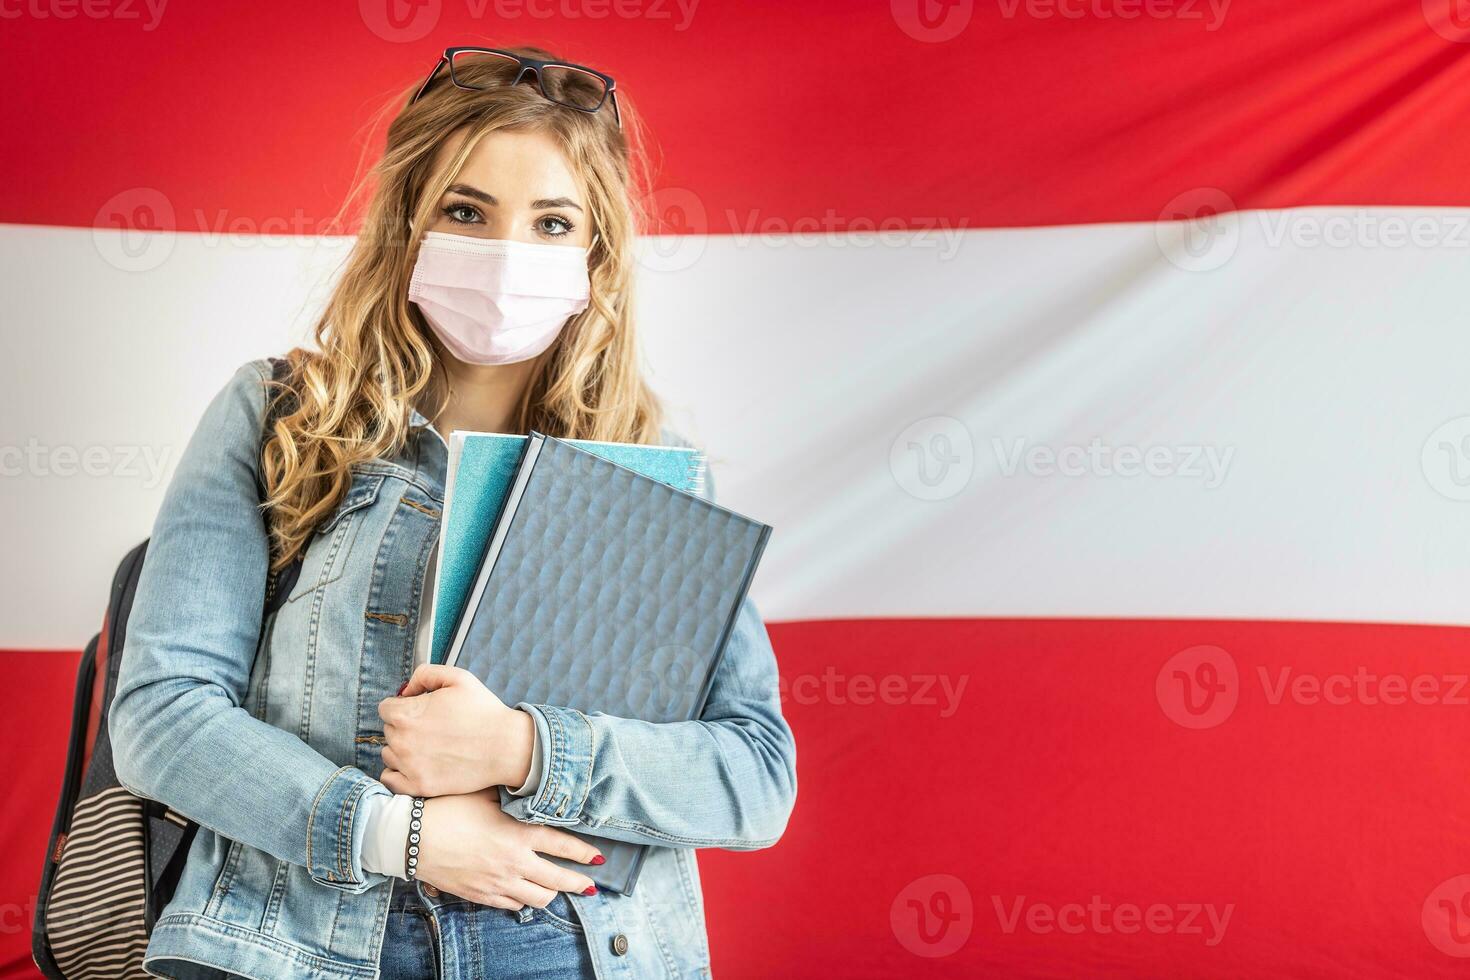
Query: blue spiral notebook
(481, 466)
(606, 591)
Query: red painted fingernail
(402, 689)
(599, 860)
(590, 890)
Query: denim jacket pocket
(327, 556)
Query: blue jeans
(452, 939)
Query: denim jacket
(267, 734)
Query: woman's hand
(468, 847)
(448, 733)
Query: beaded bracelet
(415, 825)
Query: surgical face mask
(497, 302)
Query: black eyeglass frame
(532, 66)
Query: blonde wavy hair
(351, 399)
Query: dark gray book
(607, 591)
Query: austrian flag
(1101, 366)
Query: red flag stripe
(1049, 776)
(771, 118)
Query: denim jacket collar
(423, 460)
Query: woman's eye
(554, 226)
(463, 214)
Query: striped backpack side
(113, 858)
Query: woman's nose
(509, 229)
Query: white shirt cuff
(387, 822)
(387, 834)
(533, 778)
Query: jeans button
(431, 891)
(620, 945)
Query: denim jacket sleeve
(179, 732)
(727, 779)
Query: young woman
(488, 290)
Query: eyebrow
(538, 205)
(554, 202)
(474, 192)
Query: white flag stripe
(1267, 421)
